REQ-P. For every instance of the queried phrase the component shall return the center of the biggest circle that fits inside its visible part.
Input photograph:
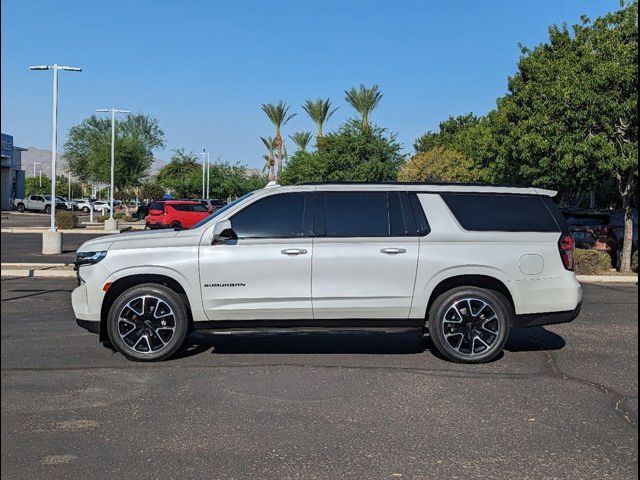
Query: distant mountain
(34, 154)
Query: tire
(175, 225)
(47, 209)
(21, 207)
(470, 324)
(144, 338)
(85, 209)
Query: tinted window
(495, 212)
(152, 205)
(199, 208)
(181, 207)
(276, 216)
(357, 214)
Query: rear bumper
(539, 319)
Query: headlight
(88, 258)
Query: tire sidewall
(495, 300)
(173, 299)
(21, 208)
(47, 209)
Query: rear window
(501, 212)
(155, 206)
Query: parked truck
(37, 203)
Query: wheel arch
(124, 283)
(470, 280)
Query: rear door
(365, 255)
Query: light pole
(208, 173)
(54, 142)
(204, 156)
(113, 152)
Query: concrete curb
(607, 278)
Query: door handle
(393, 251)
(293, 251)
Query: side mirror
(222, 232)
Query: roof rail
(272, 184)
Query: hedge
(66, 220)
(592, 262)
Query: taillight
(566, 245)
(155, 212)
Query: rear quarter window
(501, 212)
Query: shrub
(119, 215)
(102, 218)
(634, 262)
(592, 262)
(66, 220)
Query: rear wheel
(85, 209)
(148, 323)
(47, 209)
(175, 225)
(470, 324)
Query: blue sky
(204, 67)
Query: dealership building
(12, 183)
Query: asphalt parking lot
(561, 403)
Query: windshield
(221, 210)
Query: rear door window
(501, 212)
(356, 214)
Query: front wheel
(148, 322)
(470, 324)
(21, 207)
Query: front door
(365, 255)
(266, 273)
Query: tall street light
(54, 135)
(113, 151)
(204, 156)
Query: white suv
(463, 263)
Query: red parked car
(175, 214)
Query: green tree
(151, 190)
(350, 154)
(182, 176)
(439, 165)
(301, 139)
(319, 111)
(38, 185)
(570, 117)
(364, 100)
(279, 116)
(88, 149)
(469, 135)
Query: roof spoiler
(548, 193)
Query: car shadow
(521, 340)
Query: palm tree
(270, 143)
(301, 139)
(279, 116)
(320, 111)
(364, 101)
